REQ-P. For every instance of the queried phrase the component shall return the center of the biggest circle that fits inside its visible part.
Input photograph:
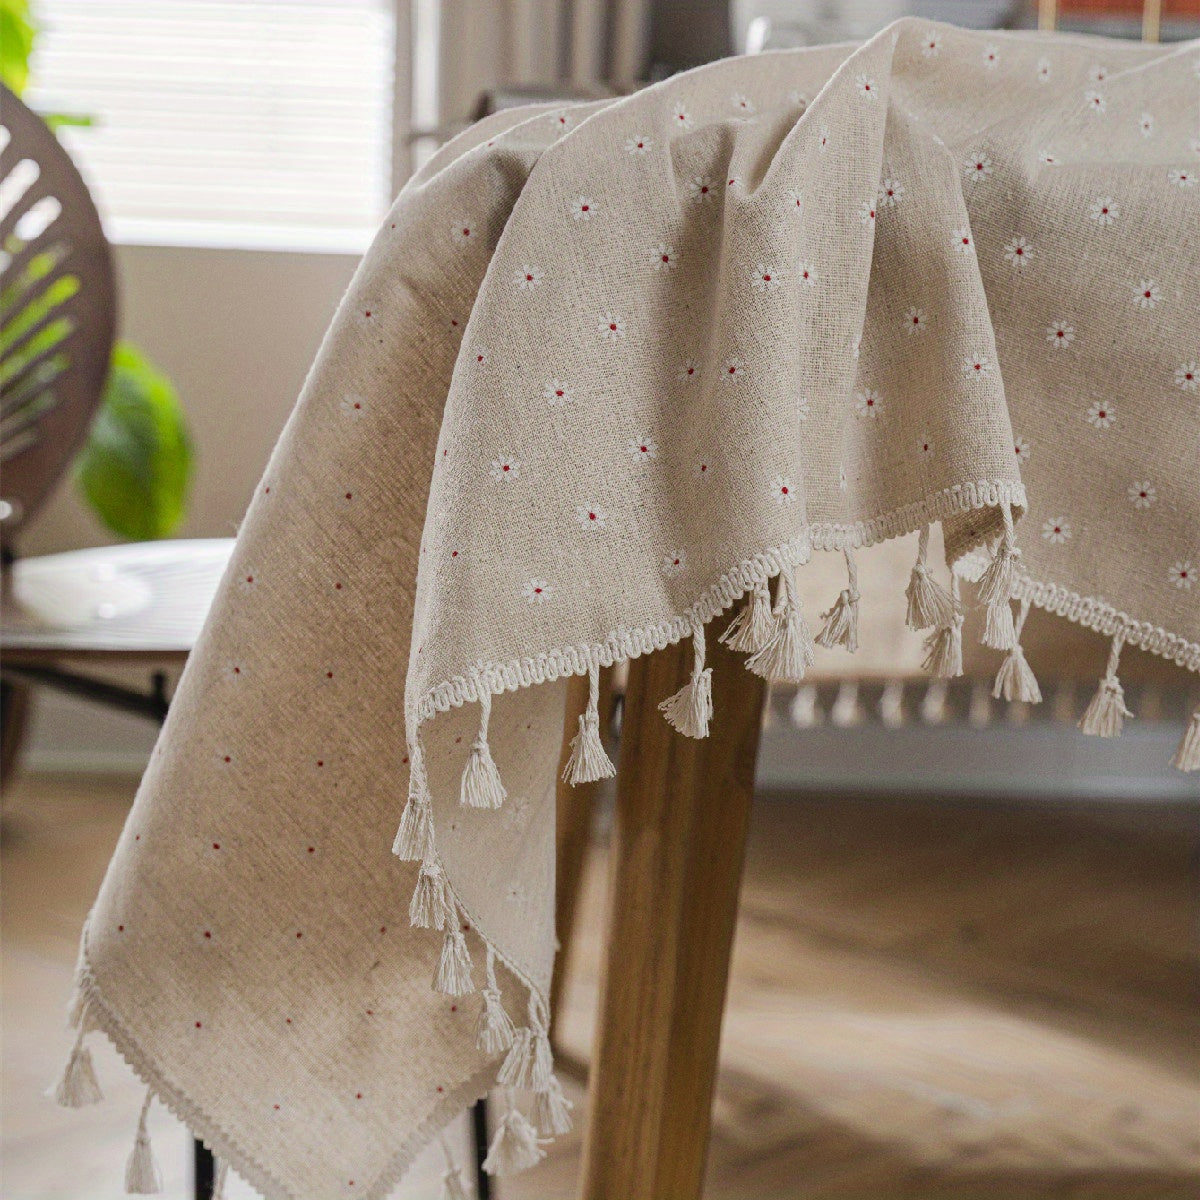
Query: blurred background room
(966, 963)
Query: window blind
(238, 122)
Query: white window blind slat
(238, 122)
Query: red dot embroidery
(613, 327)
(1146, 293)
(228, 759)
(337, 587)
(216, 845)
(966, 241)
(703, 468)
(641, 145)
(198, 1025)
(358, 1095)
(328, 674)
(866, 87)
(766, 279)
(120, 928)
(583, 208)
(453, 553)
(320, 762)
(454, 1008)
(370, 1012)
(249, 578)
(299, 934)
(733, 370)
(287, 1020)
(666, 258)
(208, 934)
(1059, 333)
(383, 929)
(276, 1106)
(591, 516)
(1102, 414)
(537, 591)
(871, 214)
(675, 562)
(528, 278)
(466, 232)
(312, 849)
(979, 166)
(440, 1088)
(784, 490)
(349, 495)
(1142, 495)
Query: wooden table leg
(683, 807)
(576, 810)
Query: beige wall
(236, 330)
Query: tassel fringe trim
(841, 621)
(751, 629)
(142, 1176)
(789, 652)
(515, 1147)
(1105, 715)
(690, 709)
(929, 604)
(78, 1086)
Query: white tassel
(589, 762)
(929, 604)
(1105, 716)
(454, 966)
(515, 1069)
(481, 786)
(751, 629)
(805, 708)
(996, 582)
(515, 1146)
(552, 1110)
(1187, 757)
(846, 711)
(891, 704)
(933, 703)
(1015, 680)
(430, 907)
(142, 1177)
(690, 709)
(541, 1065)
(999, 633)
(789, 652)
(414, 838)
(219, 1181)
(453, 1187)
(494, 1029)
(78, 1086)
(943, 647)
(841, 621)
(996, 585)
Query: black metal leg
(205, 1173)
(479, 1135)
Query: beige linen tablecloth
(605, 371)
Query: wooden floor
(930, 1001)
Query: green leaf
(135, 468)
(17, 33)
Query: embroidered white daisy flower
(977, 365)
(557, 393)
(680, 117)
(480, 355)
(964, 243)
(673, 563)
(1043, 70)
(701, 190)
(1146, 124)
(663, 257)
(638, 145)
(781, 486)
(352, 405)
(869, 403)
(1048, 157)
(733, 370)
(1182, 575)
(765, 277)
(1097, 73)
(1182, 177)
(977, 166)
(823, 138)
(1147, 293)
(689, 371)
(1094, 101)
(806, 274)
(527, 277)
(234, 673)
(865, 86)
(1142, 495)
(463, 232)
(561, 121)
(891, 192)
(642, 449)
(1021, 448)
(703, 469)
(1101, 414)
(742, 102)
(611, 327)
(866, 212)
(732, 181)
(1186, 375)
(1057, 530)
(916, 320)
(925, 447)
(591, 516)
(991, 58)
(932, 45)
(505, 468)
(536, 591)
(1018, 252)
(584, 209)
(794, 201)
(1061, 334)
(247, 579)
(1104, 210)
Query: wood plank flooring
(930, 1001)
